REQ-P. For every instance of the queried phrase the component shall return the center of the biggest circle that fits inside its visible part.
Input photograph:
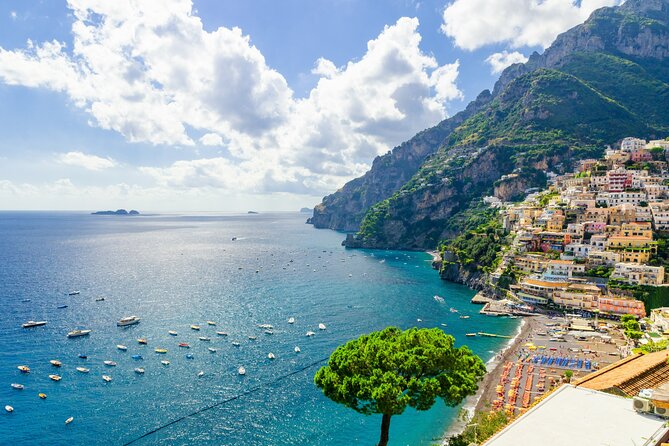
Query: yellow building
(578, 296)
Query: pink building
(621, 305)
(641, 155)
(618, 180)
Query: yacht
(184, 345)
(204, 338)
(211, 323)
(241, 370)
(77, 333)
(310, 333)
(128, 320)
(69, 420)
(55, 377)
(31, 324)
(24, 368)
(172, 333)
(236, 344)
(253, 338)
(83, 369)
(106, 378)
(221, 333)
(212, 349)
(165, 362)
(139, 370)
(321, 326)
(18, 386)
(161, 350)
(122, 347)
(42, 395)
(55, 363)
(109, 363)
(142, 341)
(266, 326)
(195, 327)
(269, 332)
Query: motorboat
(60, 307)
(74, 293)
(321, 326)
(212, 349)
(452, 310)
(122, 347)
(270, 355)
(221, 333)
(9, 408)
(109, 363)
(18, 386)
(137, 357)
(291, 320)
(310, 333)
(128, 320)
(77, 333)
(241, 370)
(464, 317)
(195, 327)
(266, 326)
(55, 363)
(269, 332)
(211, 323)
(190, 356)
(83, 369)
(253, 338)
(200, 374)
(106, 378)
(236, 344)
(139, 370)
(162, 351)
(204, 338)
(297, 349)
(55, 377)
(69, 420)
(42, 395)
(184, 345)
(99, 299)
(165, 362)
(142, 341)
(24, 368)
(31, 324)
(471, 335)
(172, 333)
(439, 299)
(82, 356)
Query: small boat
(26, 300)
(221, 333)
(139, 370)
(190, 356)
(452, 310)
(266, 326)
(241, 370)
(18, 386)
(31, 324)
(310, 333)
(195, 327)
(100, 299)
(321, 326)
(122, 347)
(83, 356)
(464, 317)
(270, 355)
(165, 362)
(110, 363)
(269, 332)
(297, 349)
(42, 395)
(77, 333)
(55, 363)
(106, 378)
(161, 350)
(211, 323)
(184, 345)
(419, 320)
(236, 344)
(83, 369)
(9, 408)
(24, 368)
(439, 299)
(200, 374)
(471, 335)
(74, 293)
(137, 357)
(233, 238)
(253, 338)
(291, 320)
(69, 420)
(204, 338)
(128, 320)
(142, 341)
(55, 377)
(212, 349)
(172, 333)
(60, 307)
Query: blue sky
(229, 105)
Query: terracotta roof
(631, 374)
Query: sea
(175, 270)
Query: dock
(492, 335)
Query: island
(252, 212)
(116, 212)
(306, 210)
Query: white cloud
(211, 139)
(499, 61)
(12, 15)
(150, 71)
(90, 162)
(476, 23)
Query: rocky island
(116, 212)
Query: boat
(269, 332)
(109, 363)
(195, 327)
(464, 317)
(253, 338)
(241, 370)
(211, 323)
(26, 300)
(42, 395)
(452, 310)
(60, 307)
(439, 299)
(471, 335)
(221, 333)
(270, 355)
(77, 333)
(74, 293)
(83, 369)
(291, 320)
(172, 333)
(142, 341)
(165, 362)
(139, 370)
(310, 333)
(128, 320)
(161, 350)
(9, 408)
(106, 378)
(18, 386)
(55, 363)
(55, 377)
(266, 326)
(189, 356)
(321, 326)
(99, 299)
(137, 357)
(31, 324)
(297, 349)
(24, 368)
(200, 374)
(204, 338)
(69, 420)
(233, 238)
(122, 347)
(83, 356)
(212, 349)
(236, 344)
(184, 345)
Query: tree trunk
(385, 428)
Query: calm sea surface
(178, 270)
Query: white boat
(83, 369)
(9, 408)
(452, 310)
(236, 344)
(270, 355)
(195, 327)
(204, 338)
(110, 363)
(77, 333)
(269, 332)
(106, 378)
(321, 326)
(200, 374)
(211, 323)
(212, 349)
(464, 317)
(31, 324)
(241, 370)
(291, 320)
(18, 386)
(55, 377)
(121, 347)
(165, 362)
(139, 370)
(439, 299)
(266, 326)
(69, 420)
(297, 349)
(172, 333)
(74, 293)
(55, 363)
(128, 320)
(221, 333)
(24, 368)
(310, 333)
(471, 335)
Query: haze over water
(178, 270)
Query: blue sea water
(178, 270)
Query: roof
(579, 416)
(631, 374)
(561, 262)
(545, 283)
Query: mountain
(598, 82)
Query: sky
(222, 105)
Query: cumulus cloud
(150, 71)
(476, 23)
(90, 162)
(499, 61)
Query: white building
(660, 213)
(632, 144)
(562, 269)
(637, 274)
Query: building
(618, 180)
(603, 257)
(637, 229)
(578, 296)
(617, 306)
(615, 198)
(630, 144)
(530, 263)
(641, 156)
(660, 213)
(563, 269)
(638, 274)
(663, 143)
(624, 213)
(659, 319)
